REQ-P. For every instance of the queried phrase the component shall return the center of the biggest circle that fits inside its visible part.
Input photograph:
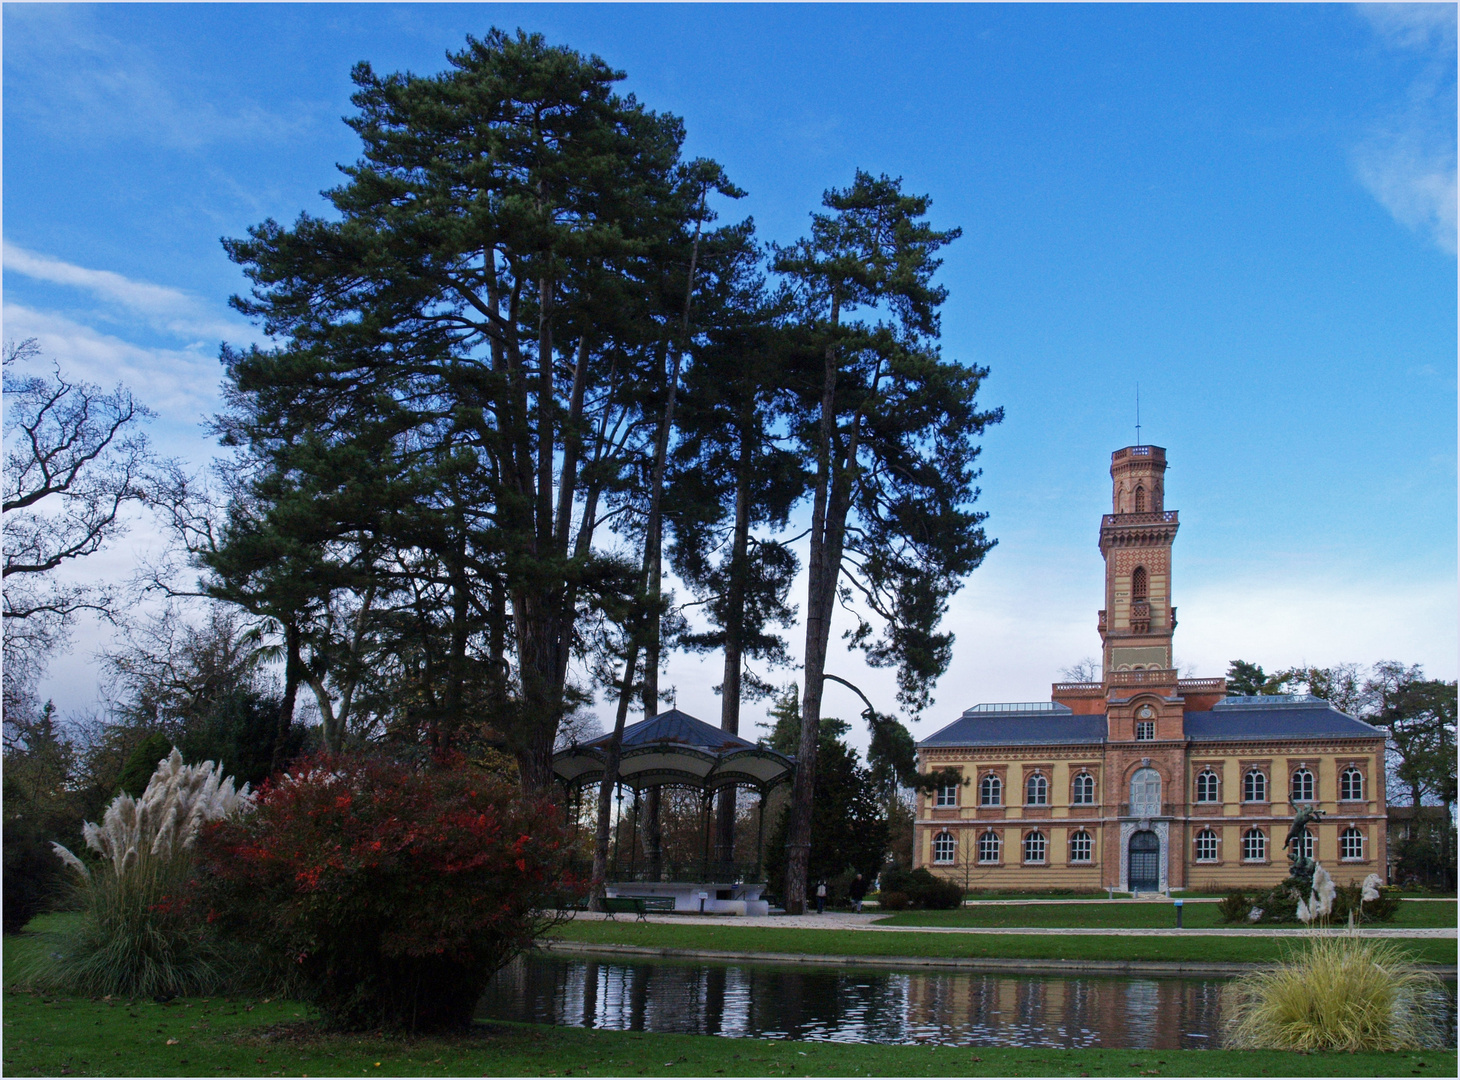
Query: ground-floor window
(1080, 846)
(1206, 846)
(944, 847)
(1254, 846)
(1351, 843)
(1034, 845)
(988, 847)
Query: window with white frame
(1254, 846)
(1254, 786)
(1145, 793)
(948, 794)
(1084, 789)
(1351, 843)
(1034, 847)
(988, 847)
(1145, 730)
(1080, 846)
(1207, 787)
(1305, 843)
(1036, 790)
(990, 791)
(944, 847)
(1351, 785)
(1301, 788)
(1206, 846)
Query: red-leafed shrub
(390, 892)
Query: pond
(860, 1005)
(845, 1005)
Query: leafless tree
(1086, 670)
(75, 457)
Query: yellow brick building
(1145, 781)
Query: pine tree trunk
(734, 639)
(293, 671)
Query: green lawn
(1129, 915)
(756, 939)
(262, 1037)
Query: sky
(1248, 211)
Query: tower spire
(1138, 414)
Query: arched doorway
(1145, 861)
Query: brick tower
(1135, 539)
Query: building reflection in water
(960, 1008)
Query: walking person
(821, 898)
(856, 891)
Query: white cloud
(180, 384)
(75, 79)
(1413, 181)
(159, 306)
(1413, 26)
(1407, 161)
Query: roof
(1297, 716)
(678, 727)
(1290, 718)
(1044, 723)
(675, 748)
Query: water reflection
(961, 1008)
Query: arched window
(1080, 846)
(948, 794)
(1207, 789)
(988, 847)
(1034, 847)
(1206, 846)
(1145, 793)
(1084, 790)
(1254, 846)
(1138, 585)
(1036, 790)
(1254, 786)
(990, 791)
(1305, 843)
(1302, 786)
(1351, 785)
(1351, 843)
(1140, 499)
(944, 847)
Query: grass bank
(1129, 916)
(756, 939)
(262, 1037)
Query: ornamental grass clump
(1337, 993)
(387, 893)
(138, 933)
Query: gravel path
(865, 921)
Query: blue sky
(1249, 210)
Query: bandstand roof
(675, 748)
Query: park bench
(638, 905)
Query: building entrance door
(1144, 862)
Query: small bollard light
(1178, 914)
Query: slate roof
(1240, 719)
(678, 727)
(1020, 725)
(1235, 718)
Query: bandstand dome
(675, 748)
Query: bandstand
(675, 749)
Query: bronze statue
(1299, 866)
